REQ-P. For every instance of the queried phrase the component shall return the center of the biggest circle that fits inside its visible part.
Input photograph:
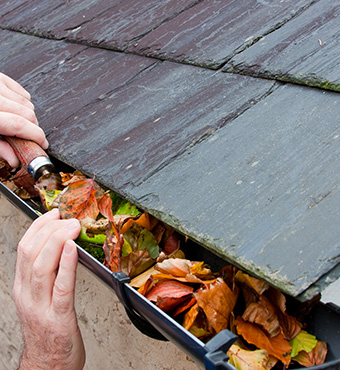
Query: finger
(20, 108)
(25, 249)
(7, 93)
(63, 290)
(38, 223)
(31, 243)
(15, 125)
(7, 153)
(14, 86)
(47, 261)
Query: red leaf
(187, 304)
(167, 294)
(171, 241)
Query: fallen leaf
(276, 346)
(184, 306)
(5, 170)
(190, 316)
(290, 326)
(302, 342)
(244, 359)
(217, 301)
(113, 248)
(171, 241)
(80, 199)
(316, 356)
(167, 294)
(263, 313)
(105, 206)
(22, 179)
(256, 285)
(68, 178)
(136, 263)
(175, 266)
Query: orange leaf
(257, 285)
(113, 248)
(175, 266)
(68, 178)
(183, 307)
(105, 206)
(79, 200)
(276, 346)
(316, 356)
(217, 301)
(190, 316)
(144, 220)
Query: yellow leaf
(250, 360)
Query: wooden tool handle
(25, 150)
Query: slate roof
(221, 118)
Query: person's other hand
(17, 118)
(44, 295)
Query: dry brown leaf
(263, 313)
(217, 301)
(316, 356)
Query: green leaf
(95, 239)
(302, 342)
(147, 241)
(123, 207)
(126, 249)
(49, 196)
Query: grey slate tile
(211, 32)
(52, 19)
(123, 25)
(144, 125)
(23, 57)
(306, 50)
(77, 82)
(261, 190)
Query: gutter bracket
(216, 357)
(119, 280)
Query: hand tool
(32, 157)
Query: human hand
(17, 118)
(44, 295)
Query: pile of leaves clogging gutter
(204, 302)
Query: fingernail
(68, 247)
(45, 144)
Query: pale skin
(17, 118)
(47, 258)
(44, 295)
